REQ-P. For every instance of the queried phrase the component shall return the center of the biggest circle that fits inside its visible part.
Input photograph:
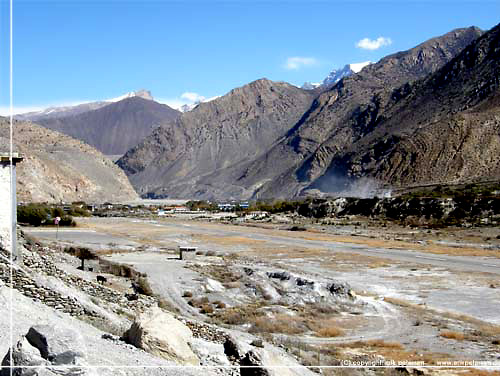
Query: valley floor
(410, 295)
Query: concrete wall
(5, 206)
(8, 210)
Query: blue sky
(74, 51)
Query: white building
(8, 205)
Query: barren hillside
(59, 168)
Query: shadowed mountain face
(116, 127)
(347, 132)
(443, 129)
(229, 130)
(58, 168)
(347, 113)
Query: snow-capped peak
(357, 67)
(145, 94)
(190, 106)
(310, 85)
(337, 74)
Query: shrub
(297, 228)
(206, 308)
(39, 214)
(279, 324)
(219, 304)
(144, 287)
(199, 302)
(452, 335)
(83, 254)
(33, 214)
(167, 305)
(67, 221)
(79, 212)
(331, 331)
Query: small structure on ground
(8, 204)
(187, 253)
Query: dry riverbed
(330, 294)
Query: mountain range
(63, 111)
(422, 116)
(233, 129)
(299, 152)
(116, 127)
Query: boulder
(160, 334)
(339, 288)
(271, 362)
(56, 344)
(235, 348)
(212, 285)
(46, 346)
(268, 291)
(25, 355)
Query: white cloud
(297, 62)
(373, 44)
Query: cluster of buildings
(233, 205)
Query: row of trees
(276, 206)
(43, 214)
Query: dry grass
(449, 334)
(489, 330)
(236, 315)
(221, 273)
(375, 343)
(284, 324)
(144, 285)
(206, 309)
(331, 331)
(167, 305)
(400, 302)
(106, 252)
(227, 240)
(325, 327)
(198, 302)
(218, 304)
(389, 350)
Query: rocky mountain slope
(347, 113)
(116, 127)
(226, 131)
(59, 168)
(445, 128)
(206, 155)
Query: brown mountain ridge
(270, 139)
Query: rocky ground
(96, 329)
(328, 294)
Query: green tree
(84, 254)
